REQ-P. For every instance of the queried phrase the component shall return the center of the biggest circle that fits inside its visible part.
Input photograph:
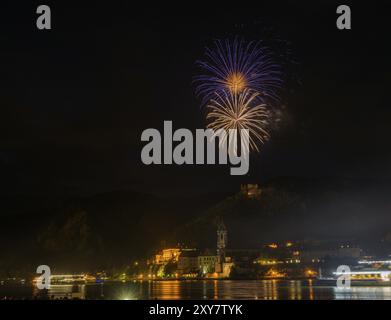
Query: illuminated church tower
(221, 240)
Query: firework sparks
(235, 66)
(229, 110)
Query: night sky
(75, 99)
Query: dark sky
(75, 99)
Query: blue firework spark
(234, 65)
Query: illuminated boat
(362, 277)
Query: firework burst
(230, 110)
(235, 66)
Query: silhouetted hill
(102, 230)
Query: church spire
(221, 238)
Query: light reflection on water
(204, 289)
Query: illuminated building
(310, 273)
(221, 240)
(268, 262)
(188, 262)
(223, 265)
(216, 265)
(168, 255)
(207, 262)
(221, 245)
(251, 190)
(273, 273)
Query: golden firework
(235, 82)
(230, 110)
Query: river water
(201, 289)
